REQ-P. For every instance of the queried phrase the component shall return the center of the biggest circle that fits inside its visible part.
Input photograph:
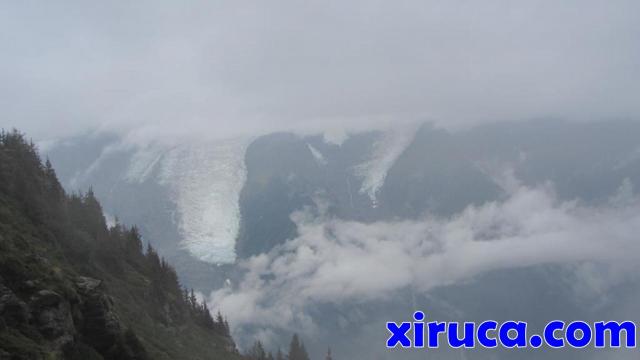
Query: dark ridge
(73, 288)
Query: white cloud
(336, 261)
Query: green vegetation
(73, 288)
(297, 351)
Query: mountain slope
(204, 202)
(73, 288)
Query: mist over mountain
(290, 231)
(314, 170)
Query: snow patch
(320, 159)
(385, 152)
(81, 176)
(142, 164)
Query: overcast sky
(231, 67)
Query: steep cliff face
(79, 323)
(72, 287)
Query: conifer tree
(257, 352)
(193, 301)
(328, 357)
(227, 330)
(74, 227)
(279, 355)
(208, 319)
(297, 350)
(53, 188)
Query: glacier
(204, 180)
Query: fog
(162, 70)
(340, 262)
(226, 68)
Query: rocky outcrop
(45, 312)
(51, 315)
(83, 316)
(13, 311)
(87, 285)
(100, 324)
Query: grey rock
(52, 317)
(87, 285)
(12, 310)
(101, 326)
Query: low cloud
(334, 261)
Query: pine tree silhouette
(328, 357)
(297, 350)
